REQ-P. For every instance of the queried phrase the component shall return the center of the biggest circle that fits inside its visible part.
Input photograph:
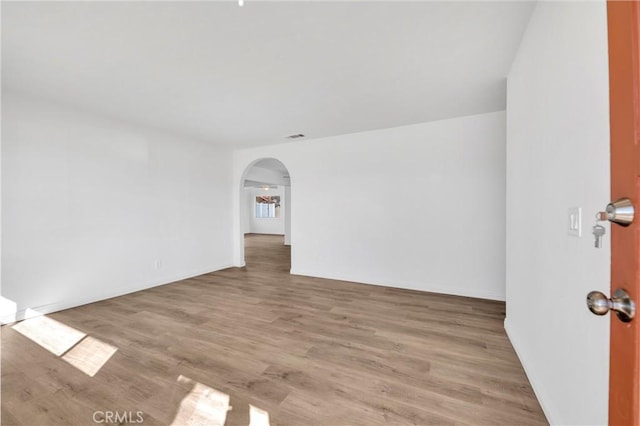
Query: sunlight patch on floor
(85, 353)
(90, 355)
(258, 417)
(52, 335)
(203, 405)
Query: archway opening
(265, 216)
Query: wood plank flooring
(246, 344)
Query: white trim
(527, 371)
(407, 285)
(49, 308)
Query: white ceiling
(267, 171)
(251, 75)
(273, 164)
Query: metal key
(598, 231)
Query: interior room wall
(287, 216)
(248, 202)
(402, 207)
(100, 208)
(274, 226)
(558, 158)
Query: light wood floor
(300, 350)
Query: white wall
(265, 225)
(248, 212)
(97, 208)
(405, 207)
(557, 158)
(287, 215)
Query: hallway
(293, 349)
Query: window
(267, 206)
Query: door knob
(620, 211)
(621, 303)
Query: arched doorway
(265, 208)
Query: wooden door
(624, 79)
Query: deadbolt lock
(620, 211)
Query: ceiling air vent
(298, 136)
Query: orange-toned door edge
(624, 91)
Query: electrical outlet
(575, 222)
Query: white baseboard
(527, 371)
(404, 285)
(30, 312)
